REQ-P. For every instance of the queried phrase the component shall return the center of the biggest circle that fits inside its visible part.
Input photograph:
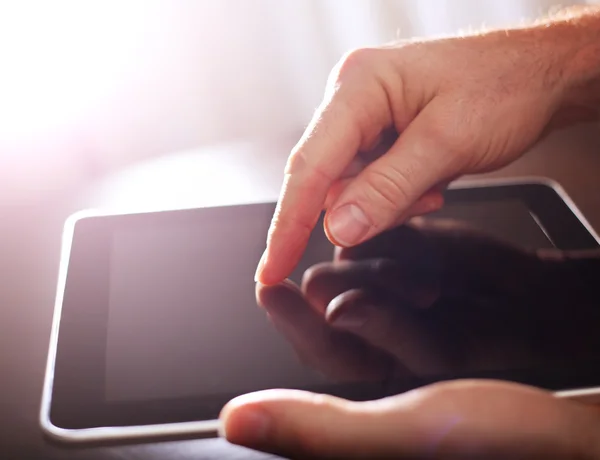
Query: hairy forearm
(562, 53)
(575, 35)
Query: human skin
(396, 124)
(367, 316)
(399, 122)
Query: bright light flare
(59, 59)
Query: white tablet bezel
(210, 428)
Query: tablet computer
(156, 323)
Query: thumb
(299, 424)
(382, 195)
(460, 419)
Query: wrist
(561, 53)
(573, 38)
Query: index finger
(327, 147)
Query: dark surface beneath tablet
(160, 322)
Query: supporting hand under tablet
(462, 419)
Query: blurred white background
(89, 86)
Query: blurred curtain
(218, 70)
(140, 78)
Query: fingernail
(251, 427)
(348, 225)
(261, 265)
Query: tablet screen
(509, 220)
(160, 323)
(183, 318)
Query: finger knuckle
(298, 163)
(283, 221)
(388, 188)
(295, 162)
(352, 62)
(456, 132)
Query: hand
(436, 298)
(454, 420)
(397, 123)
(427, 262)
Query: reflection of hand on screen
(436, 297)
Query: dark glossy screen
(183, 318)
(456, 294)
